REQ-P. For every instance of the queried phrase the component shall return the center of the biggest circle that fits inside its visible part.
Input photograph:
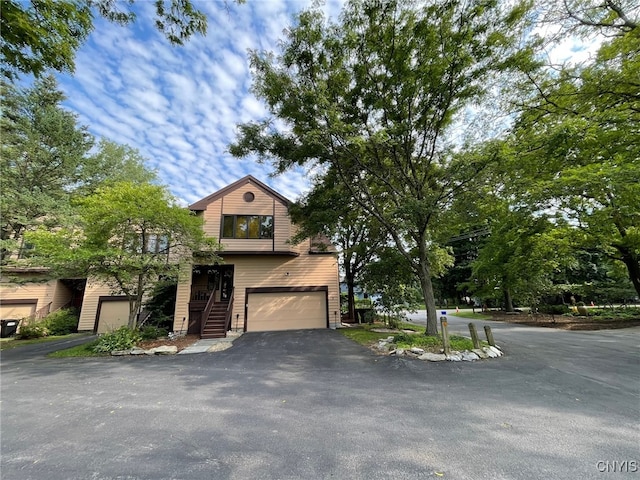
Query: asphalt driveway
(311, 404)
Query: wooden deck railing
(229, 312)
(206, 312)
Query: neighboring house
(264, 282)
(35, 297)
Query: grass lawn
(13, 342)
(364, 335)
(471, 314)
(84, 350)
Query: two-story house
(264, 282)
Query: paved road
(312, 404)
(611, 357)
(38, 350)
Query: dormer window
(247, 226)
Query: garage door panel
(17, 311)
(113, 314)
(286, 311)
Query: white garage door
(16, 311)
(113, 314)
(286, 311)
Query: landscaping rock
(454, 357)
(138, 351)
(120, 353)
(495, 350)
(165, 350)
(469, 357)
(400, 351)
(490, 352)
(480, 353)
(417, 351)
(432, 357)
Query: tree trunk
(351, 297)
(632, 262)
(135, 303)
(429, 298)
(508, 301)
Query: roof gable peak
(203, 203)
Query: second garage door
(112, 315)
(286, 311)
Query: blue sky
(179, 106)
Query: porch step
(214, 326)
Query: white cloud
(180, 106)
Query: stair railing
(206, 312)
(227, 316)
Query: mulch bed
(565, 323)
(180, 342)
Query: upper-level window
(247, 226)
(158, 244)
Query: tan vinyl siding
(234, 203)
(183, 295)
(44, 293)
(92, 294)
(282, 228)
(61, 297)
(263, 204)
(251, 271)
(306, 270)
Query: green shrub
(122, 338)
(62, 322)
(151, 332)
(33, 330)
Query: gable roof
(201, 205)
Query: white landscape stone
(416, 350)
(496, 351)
(165, 350)
(432, 357)
(480, 353)
(120, 353)
(490, 352)
(469, 356)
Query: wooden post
(474, 335)
(489, 334)
(445, 335)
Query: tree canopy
(127, 235)
(47, 158)
(376, 97)
(575, 144)
(45, 34)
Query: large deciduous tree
(46, 158)
(577, 148)
(376, 96)
(328, 209)
(126, 234)
(45, 34)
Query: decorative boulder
(165, 350)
